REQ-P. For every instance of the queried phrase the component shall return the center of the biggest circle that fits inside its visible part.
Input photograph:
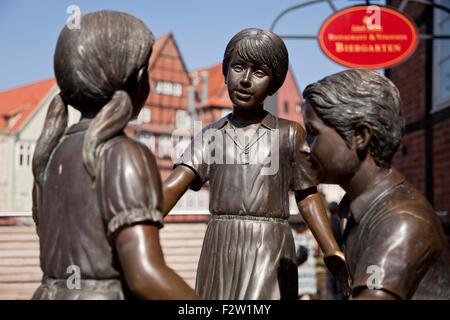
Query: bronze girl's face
(334, 160)
(248, 82)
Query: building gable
(169, 78)
(290, 100)
(16, 105)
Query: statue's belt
(248, 217)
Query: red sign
(370, 37)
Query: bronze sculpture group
(98, 200)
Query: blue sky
(29, 31)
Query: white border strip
(14, 214)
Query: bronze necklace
(245, 150)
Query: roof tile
(20, 102)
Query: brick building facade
(424, 84)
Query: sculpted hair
(259, 46)
(96, 66)
(360, 95)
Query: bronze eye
(260, 74)
(237, 68)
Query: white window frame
(144, 116)
(183, 119)
(26, 150)
(438, 102)
(167, 88)
(149, 140)
(165, 146)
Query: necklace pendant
(245, 157)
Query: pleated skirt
(247, 258)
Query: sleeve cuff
(130, 217)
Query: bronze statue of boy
(394, 243)
(251, 160)
(97, 197)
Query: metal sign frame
(400, 8)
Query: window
(183, 119)
(181, 142)
(441, 58)
(286, 106)
(167, 88)
(144, 116)
(165, 146)
(148, 140)
(24, 154)
(298, 107)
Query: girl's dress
(77, 220)
(248, 250)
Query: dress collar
(269, 121)
(82, 125)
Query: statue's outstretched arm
(145, 270)
(314, 213)
(176, 185)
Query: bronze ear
(363, 134)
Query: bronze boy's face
(334, 160)
(248, 82)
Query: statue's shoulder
(293, 128)
(125, 147)
(218, 123)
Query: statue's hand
(335, 262)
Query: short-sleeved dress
(77, 220)
(248, 250)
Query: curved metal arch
(298, 6)
(401, 8)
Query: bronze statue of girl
(248, 251)
(97, 195)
